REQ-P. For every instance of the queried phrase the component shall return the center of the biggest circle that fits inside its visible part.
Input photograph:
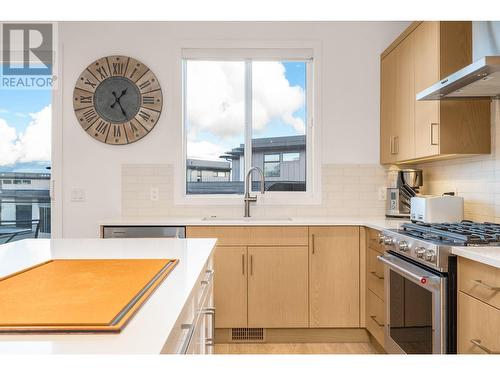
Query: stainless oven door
(415, 308)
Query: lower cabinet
(277, 287)
(375, 287)
(478, 326)
(285, 277)
(375, 316)
(230, 290)
(334, 277)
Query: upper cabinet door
(405, 100)
(426, 63)
(387, 105)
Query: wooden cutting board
(78, 295)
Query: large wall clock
(117, 100)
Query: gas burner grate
(465, 233)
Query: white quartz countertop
(489, 255)
(148, 330)
(379, 223)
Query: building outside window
(244, 112)
(25, 159)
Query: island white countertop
(489, 255)
(377, 222)
(148, 330)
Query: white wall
(350, 97)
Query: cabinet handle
(251, 265)
(477, 342)
(210, 341)
(243, 264)
(484, 285)
(433, 124)
(373, 317)
(396, 144)
(312, 240)
(374, 273)
(391, 144)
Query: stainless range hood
(480, 79)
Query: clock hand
(117, 99)
(123, 111)
(123, 93)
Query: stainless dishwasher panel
(144, 232)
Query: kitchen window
(240, 112)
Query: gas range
(430, 244)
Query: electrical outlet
(77, 195)
(382, 193)
(154, 194)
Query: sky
(215, 104)
(25, 130)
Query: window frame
(255, 50)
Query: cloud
(216, 94)
(34, 144)
(3, 110)
(205, 150)
(274, 98)
(22, 115)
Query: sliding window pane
(279, 116)
(215, 126)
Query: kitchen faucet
(248, 198)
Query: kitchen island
(169, 322)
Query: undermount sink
(223, 218)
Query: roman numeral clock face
(117, 100)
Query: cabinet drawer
(252, 236)
(375, 316)
(372, 240)
(479, 280)
(375, 274)
(478, 325)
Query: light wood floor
(296, 348)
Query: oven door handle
(409, 270)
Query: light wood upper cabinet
(404, 142)
(424, 53)
(334, 288)
(277, 287)
(230, 286)
(427, 72)
(387, 113)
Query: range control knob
(420, 251)
(430, 255)
(403, 245)
(388, 240)
(381, 238)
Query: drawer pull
(374, 273)
(373, 317)
(484, 285)
(477, 342)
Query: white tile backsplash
(347, 190)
